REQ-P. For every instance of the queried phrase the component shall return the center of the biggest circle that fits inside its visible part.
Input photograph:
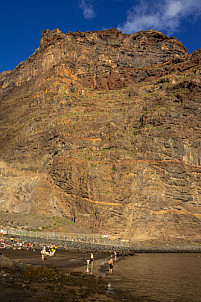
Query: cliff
(103, 128)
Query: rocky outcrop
(104, 128)
(5, 262)
(100, 60)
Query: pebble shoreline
(143, 247)
(139, 247)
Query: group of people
(110, 262)
(15, 244)
(49, 252)
(18, 244)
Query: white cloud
(87, 8)
(165, 15)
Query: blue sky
(21, 22)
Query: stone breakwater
(179, 246)
(167, 248)
(72, 245)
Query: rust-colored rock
(104, 129)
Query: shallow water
(158, 277)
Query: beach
(59, 278)
(65, 277)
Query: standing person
(92, 257)
(115, 255)
(43, 253)
(92, 261)
(111, 263)
(1, 232)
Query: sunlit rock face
(104, 128)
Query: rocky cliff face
(104, 129)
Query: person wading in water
(111, 263)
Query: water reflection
(160, 277)
(109, 288)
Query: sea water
(164, 277)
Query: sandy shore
(59, 278)
(64, 278)
(64, 260)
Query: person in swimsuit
(92, 257)
(92, 261)
(43, 253)
(111, 263)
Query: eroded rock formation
(104, 129)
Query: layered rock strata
(104, 128)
